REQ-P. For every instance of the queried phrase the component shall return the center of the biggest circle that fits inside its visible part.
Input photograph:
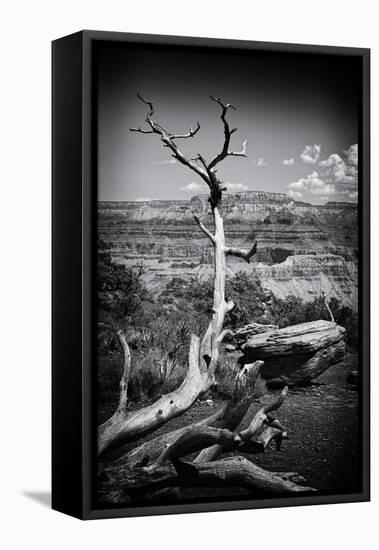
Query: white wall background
(26, 31)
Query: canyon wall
(302, 248)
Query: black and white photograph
(228, 248)
(189, 220)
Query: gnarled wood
(228, 416)
(298, 373)
(296, 355)
(241, 252)
(123, 426)
(303, 338)
(229, 472)
(245, 440)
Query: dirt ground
(322, 421)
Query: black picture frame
(74, 239)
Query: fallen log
(230, 472)
(240, 335)
(296, 355)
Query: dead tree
(161, 462)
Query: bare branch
(204, 229)
(227, 133)
(242, 253)
(260, 443)
(192, 132)
(196, 438)
(168, 140)
(261, 416)
(224, 333)
(126, 371)
(325, 296)
(245, 441)
(239, 153)
(149, 103)
(139, 129)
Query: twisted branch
(242, 253)
(227, 133)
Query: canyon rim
(302, 249)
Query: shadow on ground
(41, 497)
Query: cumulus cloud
(311, 154)
(193, 187)
(336, 175)
(294, 194)
(343, 169)
(261, 162)
(352, 155)
(236, 186)
(170, 161)
(289, 162)
(312, 184)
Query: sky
(299, 114)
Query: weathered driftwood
(303, 338)
(245, 441)
(240, 335)
(229, 472)
(169, 470)
(296, 355)
(228, 416)
(124, 426)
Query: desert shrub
(293, 310)
(252, 301)
(151, 375)
(120, 290)
(195, 297)
(226, 372)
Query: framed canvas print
(210, 274)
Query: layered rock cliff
(302, 248)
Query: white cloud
(144, 199)
(353, 196)
(313, 184)
(193, 187)
(352, 155)
(236, 186)
(170, 161)
(289, 162)
(342, 170)
(294, 194)
(261, 162)
(311, 154)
